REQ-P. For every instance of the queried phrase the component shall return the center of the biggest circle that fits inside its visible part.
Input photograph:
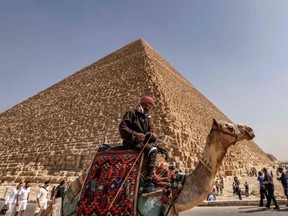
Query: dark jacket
(136, 122)
(283, 179)
(133, 122)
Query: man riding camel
(133, 128)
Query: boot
(149, 186)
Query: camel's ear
(215, 123)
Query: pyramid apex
(142, 42)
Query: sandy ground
(227, 192)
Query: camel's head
(221, 137)
(237, 132)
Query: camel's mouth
(247, 131)
(250, 137)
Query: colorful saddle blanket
(111, 184)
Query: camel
(199, 183)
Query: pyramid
(55, 133)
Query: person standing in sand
(22, 199)
(10, 200)
(41, 200)
(269, 185)
(284, 182)
(263, 192)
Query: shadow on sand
(259, 209)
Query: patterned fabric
(111, 185)
(72, 196)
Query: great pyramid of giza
(55, 133)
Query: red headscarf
(147, 99)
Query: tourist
(283, 179)
(263, 192)
(237, 187)
(22, 199)
(217, 187)
(213, 192)
(10, 200)
(41, 199)
(58, 197)
(133, 127)
(211, 197)
(221, 186)
(246, 186)
(269, 185)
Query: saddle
(113, 183)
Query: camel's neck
(215, 150)
(199, 183)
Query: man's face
(27, 185)
(146, 107)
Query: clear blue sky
(234, 52)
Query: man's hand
(153, 136)
(139, 136)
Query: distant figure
(213, 192)
(211, 197)
(58, 194)
(221, 186)
(269, 185)
(222, 181)
(58, 197)
(10, 200)
(233, 188)
(41, 199)
(246, 186)
(237, 187)
(217, 187)
(284, 180)
(263, 192)
(22, 199)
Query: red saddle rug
(111, 185)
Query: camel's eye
(229, 126)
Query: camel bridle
(227, 133)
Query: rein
(230, 134)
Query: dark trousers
(238, 192)
(270, 197)
(150, 152)
(263, 195)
